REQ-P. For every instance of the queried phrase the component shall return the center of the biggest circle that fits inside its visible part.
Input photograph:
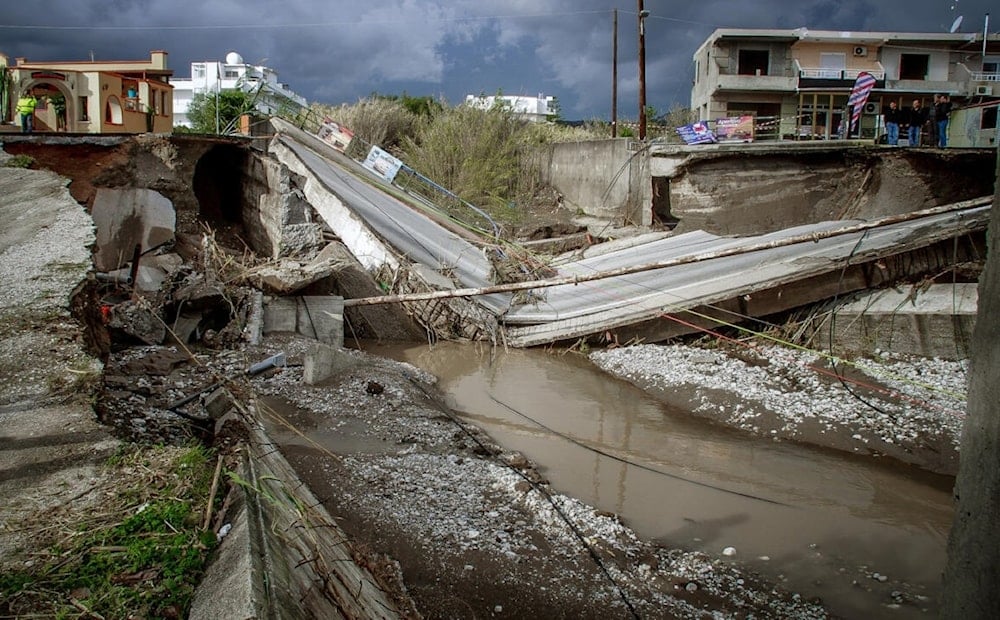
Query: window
(83, 114)
(913, 66)
(199, 71)
(753, 62)
(232, 73)
(989, 120)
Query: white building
(534, 109)
(233, 74)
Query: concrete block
(323, 361)
(218, 403)
(280, 315)
(125, 218)
(936, 322)
(322, 318)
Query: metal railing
(838, 74)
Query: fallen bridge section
(731, 270)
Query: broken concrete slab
(201, 294)
(314, 316)
(126, 218)
(432, 278)
(390, 322)
(138, 321)
(287, 276)
(932, 322)
(323, 361)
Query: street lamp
(643, 14)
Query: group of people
(915, 117)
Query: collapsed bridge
(327, 226)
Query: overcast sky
(334, 51)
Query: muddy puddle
(865, 536)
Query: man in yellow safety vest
(26, 108)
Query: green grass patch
(139, 552)
(20, 161)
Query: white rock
(729, 551)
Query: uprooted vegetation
(135, 547)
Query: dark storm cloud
(340, 51)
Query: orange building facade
(130, 96)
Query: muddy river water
(861, 534)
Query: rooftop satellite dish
(232, 58)
(956, 24)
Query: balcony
(758, 83)
(810, 77)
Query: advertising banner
(696, 133)
(335, 134)
(382, 163)
(735, 129)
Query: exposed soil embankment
(741, 192)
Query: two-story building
(207, 77)
(112, 96)
(800, 80)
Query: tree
(555, 111)
(231, 105)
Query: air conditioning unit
(860, 50)
(871, 107)
(984, 91)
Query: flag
(859, 95)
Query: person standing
(916, 119)
(893, 115)
(26, 108)
(942, 109)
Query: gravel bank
(907, 408)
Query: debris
(137, 321)
(274, 361)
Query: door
(832, 65)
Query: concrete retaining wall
(603, 178)
(936, 322)
(285, 556)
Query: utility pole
(614, 79)
(643, 13)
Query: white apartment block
(209, 77)
(534, 109)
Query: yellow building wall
(809, 55)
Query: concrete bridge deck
(631, 291)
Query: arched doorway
(56, 110)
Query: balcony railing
(839, 74)
(981, 76)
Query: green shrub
(20, 161)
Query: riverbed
(866, 535)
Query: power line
(272, 26)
